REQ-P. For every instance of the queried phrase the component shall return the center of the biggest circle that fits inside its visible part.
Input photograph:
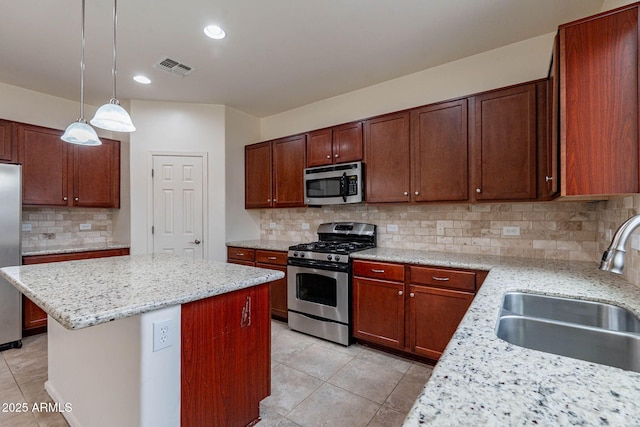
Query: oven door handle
(320, 265)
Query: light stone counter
(85, 293)
(73, 248)
(269, 245)
(482, 380)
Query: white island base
(110, 375)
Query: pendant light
(79, 132)
(112, 116)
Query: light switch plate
(27, 227)
(510, 231)
(305, 225)
(85, 227)
(392, 228)
(272, 225)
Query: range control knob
(295, 254)
(329, 257)
(337, 257)
(301, 254)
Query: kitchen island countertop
(79, 294)
(483, 380)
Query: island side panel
(226, 358)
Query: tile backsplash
(61, 226)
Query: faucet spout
(613, 257)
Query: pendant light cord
(115, 28)
(82, 68)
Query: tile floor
(313, 383)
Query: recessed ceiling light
(142, 79)
(214, 32)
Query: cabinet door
(386, 152)
(599, 104)
(505, 144)
(225, 366)
(96, 177)
(440, 152)
(257, 175)
(44, 166)
(288, 167)
(433, 318)
(319, 148)
(7, 141)
(278, 292)
(33, 317)
(347, 143)
(378, 311)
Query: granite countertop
(71, 248)
(269, 245)
(482, 380)
(79, 294)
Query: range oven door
(319, 292)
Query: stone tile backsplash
(61, 226)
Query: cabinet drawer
(464, 280)
(241, 254)
(271, 257)
(379, 270)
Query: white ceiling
(278, 54)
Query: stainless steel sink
(587, 330)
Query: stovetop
(342, 248)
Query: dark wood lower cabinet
(226, 350)
(378, 311)
(34, 319)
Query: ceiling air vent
(173, 67)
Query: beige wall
(511, 64)
(612, 4)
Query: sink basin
(586, 330)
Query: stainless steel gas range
(319, 280)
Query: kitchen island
(147, 340)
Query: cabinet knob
(548, 178)
(417, 193)
(336, 155)
(400, 293)
(76, 199)
(65, 198)
(412, 295)
(406, 193)
(328, 156)
(269, 200)
(478, 190)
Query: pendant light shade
(79, 132)
(112, 116)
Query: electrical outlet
(510, 231)
(85, 227)
(635, 242)
(392, 228)
(162, 334)
(26, 227)
(272, 225)
(305, 225)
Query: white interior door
(178, 205)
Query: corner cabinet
(598, 100)
(8, 151)
(273, 173)
(225, 367)
(56, 173)
(408, 308)
(34, 319)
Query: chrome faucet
(613, 257)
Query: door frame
(205, 196)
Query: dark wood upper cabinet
(599, 104)
(387, 158)
(257, 173)
(440, 152)
(44, 158)
(504, 144)
(288, 167)
(56, 173)
(338, 144)
(96, 172)
(8, 152)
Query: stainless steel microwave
(334, 185)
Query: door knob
(197, 241)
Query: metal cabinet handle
(400, 293)
(197, 241)
(272, 257)
(239, 253)
(548, 178)
(373, 270)
(478, 190)
(440, 279)
(412, 295)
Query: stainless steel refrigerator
(10, 225)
